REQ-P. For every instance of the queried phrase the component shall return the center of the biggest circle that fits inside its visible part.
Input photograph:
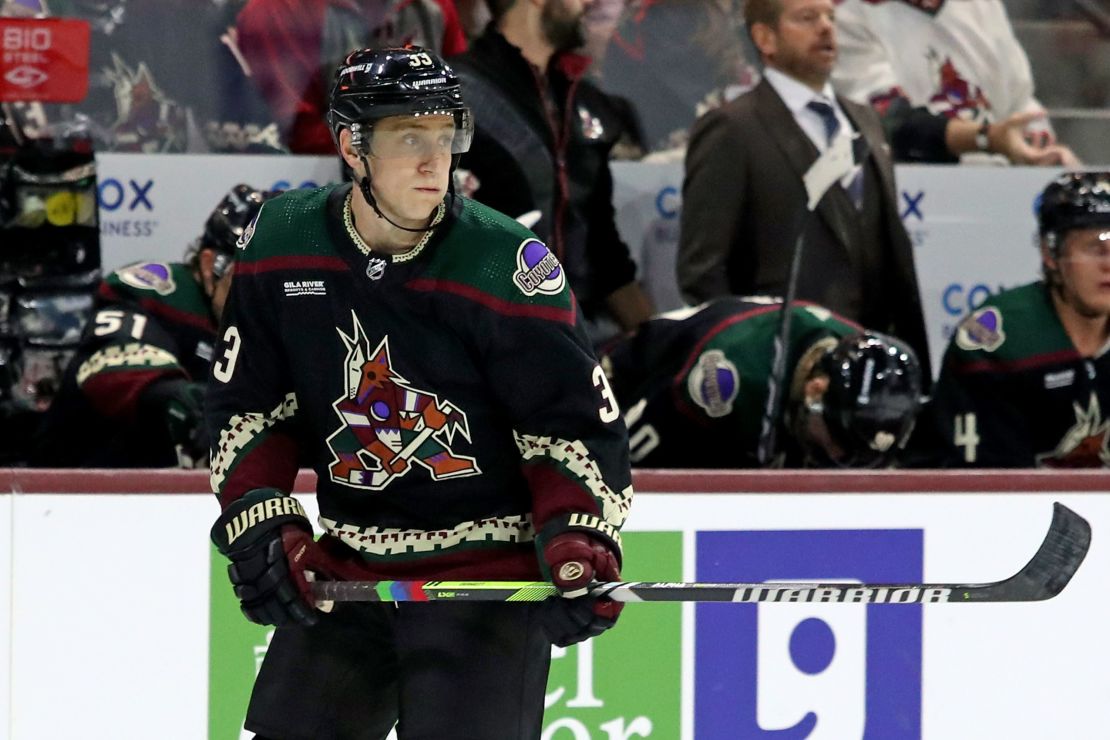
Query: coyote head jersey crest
(387, 425)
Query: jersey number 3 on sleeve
(609, 412)
(225, 366)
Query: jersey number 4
(966, 435)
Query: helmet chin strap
(367, 193)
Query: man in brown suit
(744, 197)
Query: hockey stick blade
(1043, 577)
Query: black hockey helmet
(1074, 200)
(873, 398)
(231, 217)
(229, 221)
(372, 84)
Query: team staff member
(424, 355)
(1026, 379)
(543, 137)
(744, 190)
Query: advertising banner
(43, 59)
(152, 207)
(590, 694)
(122, 614)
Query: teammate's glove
(269, 541)
(178, 404)
(575, 560)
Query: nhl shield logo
(375, 268)
(538, 269)
(388, 426)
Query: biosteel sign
(43, 59)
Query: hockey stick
(836, 162)
(1063, 549)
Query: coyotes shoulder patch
(538, 269)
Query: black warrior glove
(269, 541)
(575, 560)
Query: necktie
(832, 128)
(828, 117)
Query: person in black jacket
(541, 149)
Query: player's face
(1084, 266)
(562, 23)
(803, 45)
(811, 431)
(220, 288)
(410, 161)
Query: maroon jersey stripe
(500, 305)
(115, 393)
(561, 495)
(177, 315)
(271, 464)
(1024, 363)
(273, 264)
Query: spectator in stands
(1026, 379)
(131, 396)
(948, 78)
(541, 150)
(693, 385)
(675, 59)
(292, 48)
(743, 193)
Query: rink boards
(116, 617)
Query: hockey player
(693, 386)
(424, 355)
(131, 396)
(1027, 374)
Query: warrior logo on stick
(387, 424)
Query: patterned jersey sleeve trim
(390, 543)
(242, 433)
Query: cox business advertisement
(123, 624)
(973, 227)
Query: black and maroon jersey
(151, 323)
(447, 398)
(693, 382)
(1014, 392)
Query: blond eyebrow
(416, 123)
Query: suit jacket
(743, 204)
